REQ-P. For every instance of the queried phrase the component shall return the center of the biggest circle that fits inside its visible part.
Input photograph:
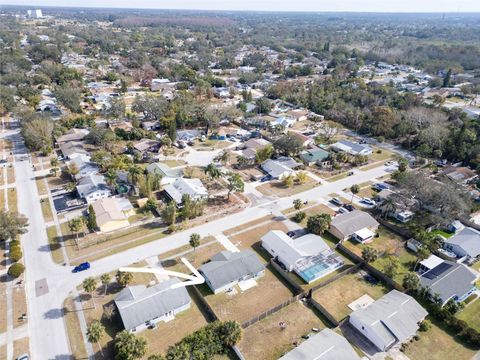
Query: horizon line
(239, 10)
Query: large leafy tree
(318, 224)
(12, 224)
(234, 183)
(123, 278)
(288, 145)
(129, 347)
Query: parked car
(82, 267)
(266, 178)
(349, 207)
(23, 357)
(342, 210)
(380, 186)
(350, 173)
(336, 201)
(291, 233)
(368, 201)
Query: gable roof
(91, 183)
(109, 209)
(448, 279)
(256, 143)
(278, 167)
(314, 154)
(353, 221)
(326, 345)
(72, 147)
(292, 250)
(468, 239)
(181, 186)
(139, 304)
(73, 134)
(393, 317)
(350, 146)
(227, 267)
(164, 170)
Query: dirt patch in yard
(243, 306)
(19, 306)
(267, 341)
(73, 330)
(276, 188)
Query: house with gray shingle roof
(465, 244)
(356, 222)
(449, 280)
(314, 155)
(226, 269)
(392, 319)
(326, 345)
(140, 307)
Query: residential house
(162, 85)
(461, 175)
(392, 319)
(308, 256)
(74, 149)
(146, 146)
(181, 186)
(150, 125)
(122, 125)
(168, 174)
(298, 114)
(356, 224)
(188, 135)
(326, 345)
(93, 187)
(140, 307)
(304, 140)
(112, 213)
(446, 279)
(465, 244)
(315, 155)
(351, 148)
(256, 144)
(226, 269)
(85, 168)
(281, 167)
(73, 135)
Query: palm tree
(54, 164)
(212, 171)
(134, 173)
(354, 189)
(95, 332)
(369, 254)
(75, 225)
(224, 157)
(388, 206)
(105, 279)
(111, 178)
(89, 286)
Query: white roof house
(182, 186)
(302, 255)
(465, 243)
(351, 148)
(392, 319)
(326, 345)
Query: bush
(16, 270)
(16, 253)
(14, 243)
(458, 326)
(424, 325)
(469, 299)
(416, 337)
(298, 217)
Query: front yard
(266, 340)
(276, 188)
(336, 296)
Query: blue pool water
(314, 272)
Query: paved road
(55, 282)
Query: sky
(272, 5)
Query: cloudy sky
(274, 5)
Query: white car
(368, 201)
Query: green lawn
(445, 234)
(438, 344)
(471, 314)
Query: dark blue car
(82, 267)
